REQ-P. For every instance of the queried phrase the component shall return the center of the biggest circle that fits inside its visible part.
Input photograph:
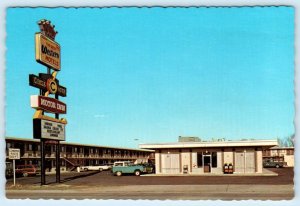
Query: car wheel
(119, 173)
(277, 166)
(85, 169)
(137, 173)
(25, 174)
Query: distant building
(74, 154)
(200, 157)
(281, 154)
(188, 139)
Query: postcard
(150, 103)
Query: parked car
(272, 163)
(127, 167)
(106, 167)
(150, 168)
(9, 171)
(26, 170)
(95, 168)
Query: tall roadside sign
(47, 128)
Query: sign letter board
(44, 129)
(13, 154)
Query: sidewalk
(265, 172)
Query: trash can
(185, 169)
(230, 168)
(226, 168)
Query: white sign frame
(13, 154)
(46, 129)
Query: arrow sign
(41, 83)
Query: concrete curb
(210, 175)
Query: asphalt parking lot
(105, 178)
(103, 185)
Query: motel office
(201, 157)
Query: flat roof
(78, 144)
(203, 144)
(276, 147)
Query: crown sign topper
(47, 29)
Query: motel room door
(239, 162)
(170, 163)
(250, 162)
(245, 161)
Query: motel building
(280, 154)
(192, 156)
(73, 155)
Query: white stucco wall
(219, 168)
(185, 159)
(195, 169)
(259, 164)
(157, 162)
(289, 159)
(228, 155)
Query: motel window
(8, 145)
(290, 152)
(75, 149)
(199, 159)
(214, 159)
(34, 147)
(30, 147)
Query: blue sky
(156, 74)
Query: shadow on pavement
(67, 179)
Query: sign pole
(14, 166)
(57, 151)
(57, 162)
(43, 173)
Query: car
(150, 168)
(127, 167)
(106, 167)
(272, 163)
(93, 168)
(26, 170)
(9, 171)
